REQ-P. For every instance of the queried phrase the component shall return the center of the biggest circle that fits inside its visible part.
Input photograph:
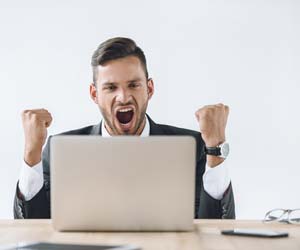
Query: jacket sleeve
(206, 206)
(39, 205)
(217, 209)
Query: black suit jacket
(205, 205)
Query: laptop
(122, 183)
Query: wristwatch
(222, 150)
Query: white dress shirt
(215, 180)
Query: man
(121, 89)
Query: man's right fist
(35, 124)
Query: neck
(141, 128)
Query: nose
(123, 96)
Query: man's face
(122, 93)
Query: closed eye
(109, 87)
(134, 85)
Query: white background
(243, 53)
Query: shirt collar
(146, 130)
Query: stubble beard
(113, 129)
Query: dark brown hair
(115, 48)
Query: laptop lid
(125, 183)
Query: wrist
(32, 157)
(213, 161)
(213, 143)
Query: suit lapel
(96, 129)
(155, 129)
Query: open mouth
(125, 115)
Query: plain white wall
(243, 53)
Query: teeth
(125, 110)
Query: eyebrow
(135, 80)
(107, 83)
(112, 83)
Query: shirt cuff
(31, 180)
(216, 180)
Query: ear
(150, 88)
(93, 93)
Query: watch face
(225, 149)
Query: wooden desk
(206, 236)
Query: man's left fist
(212, 121)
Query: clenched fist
(212, 121)
(35, 124)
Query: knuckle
(34, 116)
(199, 110)
(219, 108)
(211, 109)
(206, 112)
(27, 114)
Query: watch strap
(216, 151)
